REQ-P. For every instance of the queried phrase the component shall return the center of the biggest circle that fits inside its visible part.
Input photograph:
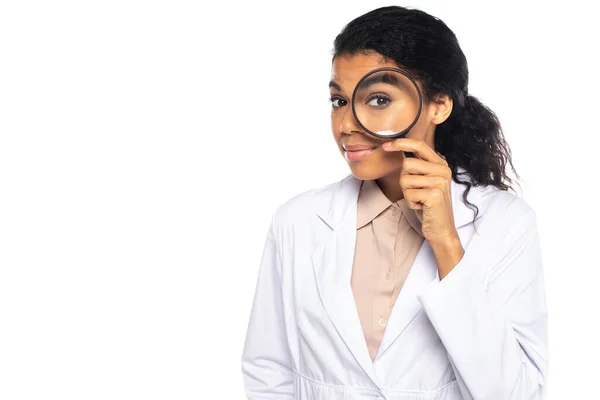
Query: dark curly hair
(471, 137)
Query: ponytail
(472, 138)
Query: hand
(426, 183)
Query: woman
(380, 285)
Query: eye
(337, 102)
(379, 101)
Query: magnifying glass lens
(387, 103)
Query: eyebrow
(334, 85)
(386, 77)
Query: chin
(371, 171)
(365, 173)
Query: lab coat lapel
(332, 264)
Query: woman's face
(346, 72)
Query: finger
(423, 182)
(422, 167)
(428, 198)
(419, 147)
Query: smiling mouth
(363, 149)
(358, 154)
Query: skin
(425, 180)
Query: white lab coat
(479, 333)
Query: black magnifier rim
(396, 135)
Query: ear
(440, 108)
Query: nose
(348, 123)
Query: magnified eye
(379, 101)
(337, 102)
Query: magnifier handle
(409, 154)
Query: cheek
(385, 161)
(335, 126)
(390, 156)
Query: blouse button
(387, 275)
(382, 322)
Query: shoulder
(503, 214)
(507, 217)
(495, 206)
(506, 203)
(303, 206)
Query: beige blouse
(388, 239)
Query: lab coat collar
(333, 260)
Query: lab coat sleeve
(266, 365)
(495, 328)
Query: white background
(144, 146)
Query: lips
(358, 147)
(357, 155)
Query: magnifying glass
(387, 103)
